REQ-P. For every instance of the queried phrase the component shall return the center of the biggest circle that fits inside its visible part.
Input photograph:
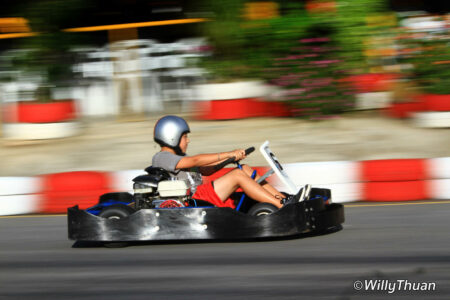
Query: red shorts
(207, 193)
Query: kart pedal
(302, 195)
(306, 193)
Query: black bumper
(204, 223)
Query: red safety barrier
(276, 109)
(224, 109)
(405, 109)
(58, 202)
(366, 83)
(435, 102)
(239, 109)
(393, 170)
(62, 190)
(74, 181)
(395, 191)
(52, 112)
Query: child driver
(171, 133)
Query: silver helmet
(169, 130)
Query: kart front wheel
(262, 209)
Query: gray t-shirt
(168, 161)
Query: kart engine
(158, 190)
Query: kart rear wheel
(262, 209)
(117, 211)
(121, 196)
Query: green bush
(351, 30)
(275, 50)
(430, 62)
(245, 48)
(310, 76)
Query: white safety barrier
(323, 172)
(439, 167)
(40, 131)
(19, 185)
(432, 119)
(19, 204)
(18, 195)
(375, 100)
(229, 91)
(440, 189)
(123, 180)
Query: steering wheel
(232, 159)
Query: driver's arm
(205, 160)
(211, 168)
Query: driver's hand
(239, 154)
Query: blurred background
(308, 59)
(65, 64)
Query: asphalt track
(385, 242)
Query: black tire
(262, 209)
(115, 244)
(116, 211)
(121, 196)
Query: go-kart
(161, 208)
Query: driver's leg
(249, 171)
(230, 182)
